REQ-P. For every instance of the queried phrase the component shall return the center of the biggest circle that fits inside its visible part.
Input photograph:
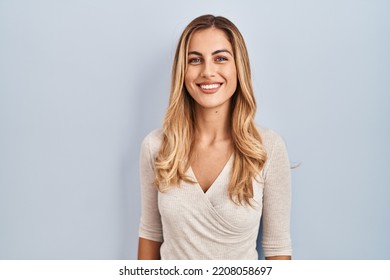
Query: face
(211, 76)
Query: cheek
(232, 76)
(189, 85)
(188, 79)
(230, 72)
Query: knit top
(192, 224)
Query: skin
(210, 61)
(279, 258)
(148, 249)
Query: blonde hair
(178, 126)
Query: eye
(195, 60)
(221, 59)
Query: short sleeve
(150, 223)
(277, 201)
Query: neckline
(221, 173)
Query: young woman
(210, 175)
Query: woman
(209, 175)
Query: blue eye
(221, 59)
(194, 60)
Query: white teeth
(212, 86)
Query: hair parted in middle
(249, 153)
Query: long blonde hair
(178, 126)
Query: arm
(148, 249)
(150, 229)
(277, 203)
(279, 258)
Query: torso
(193, 224)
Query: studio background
(83, 82)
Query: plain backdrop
(83, 82)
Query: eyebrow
(213, 53)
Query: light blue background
(82, 82)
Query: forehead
(209, 40)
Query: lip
(212, 87)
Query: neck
(212, 125)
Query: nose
(208, 69)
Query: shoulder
(152, 141)
(270, 138)
(277, 155)
(154, 137)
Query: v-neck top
(191, 174)
(193, 224)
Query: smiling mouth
(209, 86)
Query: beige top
(192, 224)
